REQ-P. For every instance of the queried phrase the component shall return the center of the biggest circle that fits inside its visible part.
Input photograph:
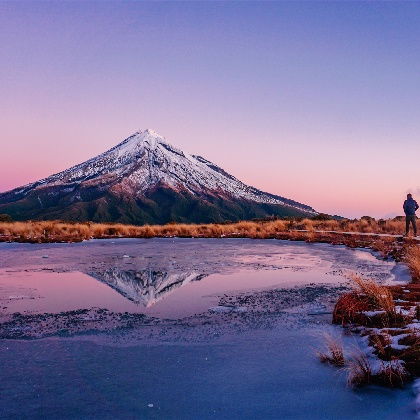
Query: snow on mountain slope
(146, 160)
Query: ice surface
(193, 368)
(171, 277)
(264, 375)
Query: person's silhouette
(410, 206)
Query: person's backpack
(410, 206)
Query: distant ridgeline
(143, 180)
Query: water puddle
(155, 293)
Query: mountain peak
(144, 137)
(144, 179)
(140, 139)
(148, 132)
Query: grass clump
(381, 342)
(394, 341)
(389, 373)
(379, 296)
(413, 261)
(370, 304)
(333, 353)
(359, 370)
(349, 307)
(411, 356)
(392, 374)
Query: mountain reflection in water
(148, 286)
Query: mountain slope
(144, 179)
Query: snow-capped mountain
(144, 179)
(145, 287)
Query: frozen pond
(167, 278)
(179, 328)
(153, 293)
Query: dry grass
(49, 231)
(364, 225)
(411, 356)
(412, 259)
(352, 307)
(380, 343)
(348, 308)
(398, 365)
(391, 374)
(333, 353)
(380, 296)
(359, 370)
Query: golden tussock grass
(413, 261)
(333, 353)
(390, 373)
(314, 230)
(396, 365)
(348, 308)
(411, 355)
(47, 230)
(380, 296)
(380, 343)
(371, 304)
(359, 370)
(363, 225)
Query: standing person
(410, 206)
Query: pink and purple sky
(318, 102)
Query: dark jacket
(410, 206)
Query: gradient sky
(315, 101)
